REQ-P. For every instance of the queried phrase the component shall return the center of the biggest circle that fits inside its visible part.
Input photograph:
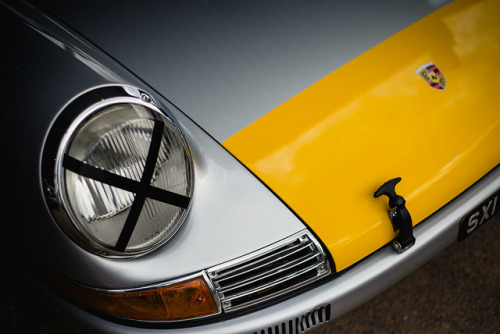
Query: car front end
(170, 174)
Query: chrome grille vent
(270, 272)
(302, 324)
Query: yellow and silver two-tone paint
(326, 150)
(322, 101)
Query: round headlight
(123, 173)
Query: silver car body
(192, 60)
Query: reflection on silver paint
(61, 42)
(222, 215)
(227, 63)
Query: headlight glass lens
(125, 176)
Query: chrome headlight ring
(117, 172)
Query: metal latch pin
(399, 216)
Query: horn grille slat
(306, 322)
(269, 272)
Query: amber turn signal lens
(185, 300)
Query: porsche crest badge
(432, 75)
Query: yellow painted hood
(325, 151)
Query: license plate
(480, 215)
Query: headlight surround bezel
(69, 120)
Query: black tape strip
(100, 175)
(140, 196)
(142, 189)
(154, 149)
(121, 182)
(130, 223)
(168, 197)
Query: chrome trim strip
(304, 235)
(229, 275)
(277, 270)
(273, 284)
(213, 291)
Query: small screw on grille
(146, 97)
